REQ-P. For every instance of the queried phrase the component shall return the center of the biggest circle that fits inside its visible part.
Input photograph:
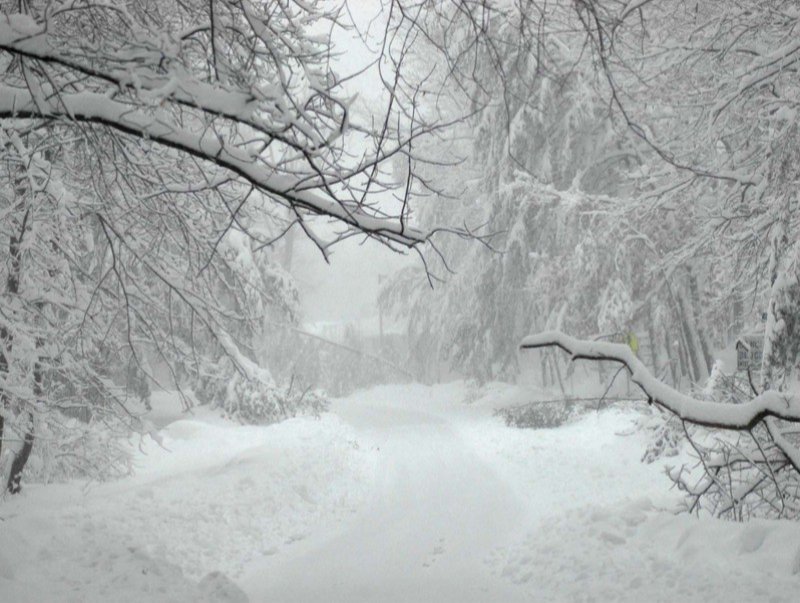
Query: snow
(158, 126)
(721, 415)
(400, 493)
(215, 496)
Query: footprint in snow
(438, 549)
(612, 538)
(295, 538)
(752, 538)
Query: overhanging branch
(160, 127)
(700, 412)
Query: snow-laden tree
(711, 90)
(623, 102)
(553, 175)
(109, 290)
(246, 86)
(153, 152)
(696, 110)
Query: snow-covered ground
(400, 493)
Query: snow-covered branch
(709, 414)
(270, 108)
(207, 145)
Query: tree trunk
(700, 329)
(4, 402)
(18, 466)
(12, 288)
(671, 363)
(6, 343)
(21, 459)
(694, 351)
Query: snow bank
(635, 552)
(603, 525)
(198, 509)
(407, 490)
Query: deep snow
(400, 493)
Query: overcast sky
(347, 288)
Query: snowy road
(437, 509)
(465, 509)
(401, 493)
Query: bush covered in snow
(69, 448)
(254, 402)
(247, 393)
(664, 434)
(546, 414)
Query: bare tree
(153, 151)
(240, 85)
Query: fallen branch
(700, 412)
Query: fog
(399, 301)
(344, 289)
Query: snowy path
(466, 509)
(436, 510)
(401, 493)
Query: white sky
(347, 288)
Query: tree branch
(708, 414)
(160, 127)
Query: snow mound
(635, 552)
(204, 502)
